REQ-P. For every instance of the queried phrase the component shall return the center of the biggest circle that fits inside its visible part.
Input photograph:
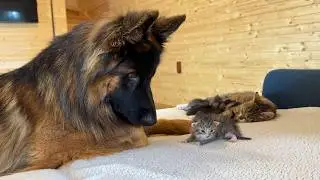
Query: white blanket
(286, 148)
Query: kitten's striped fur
(252, 108)
(207, 127)
(248, 106)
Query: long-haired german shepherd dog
(87, 94)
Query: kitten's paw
(184, 141)
(233, 139)
(198, 143)
(229, 135)
(183, 107)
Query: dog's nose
(148, 117)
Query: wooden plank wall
(19, 43)
(74, 18)
(59, 16)
(230, 45)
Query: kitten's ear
(233, 115)
(164, 27)
(194, 124)
(217, 98)
(196, 118)
(216, 123)
(256, 97)
(215, 101)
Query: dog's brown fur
(50, 109)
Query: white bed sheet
(285, 148)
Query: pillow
(293, 88)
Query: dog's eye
(132, 80)
(132, 75)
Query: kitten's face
(250, 112)
(204, 128)
(246, 112)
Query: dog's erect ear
(136, 33)
(164, 27)
(130, 28)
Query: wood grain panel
(20, 42)
(23, 41)
(59, 16)
(74, 18)
(229, 45)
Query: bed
(285, 148)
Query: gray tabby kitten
(207, 127)
(228, 126)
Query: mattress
(285, 148)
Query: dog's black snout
(148, 117)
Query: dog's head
(131, 52)
(115, 62)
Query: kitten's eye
(211, 130)
(202, 131)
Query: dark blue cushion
(293, 88)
